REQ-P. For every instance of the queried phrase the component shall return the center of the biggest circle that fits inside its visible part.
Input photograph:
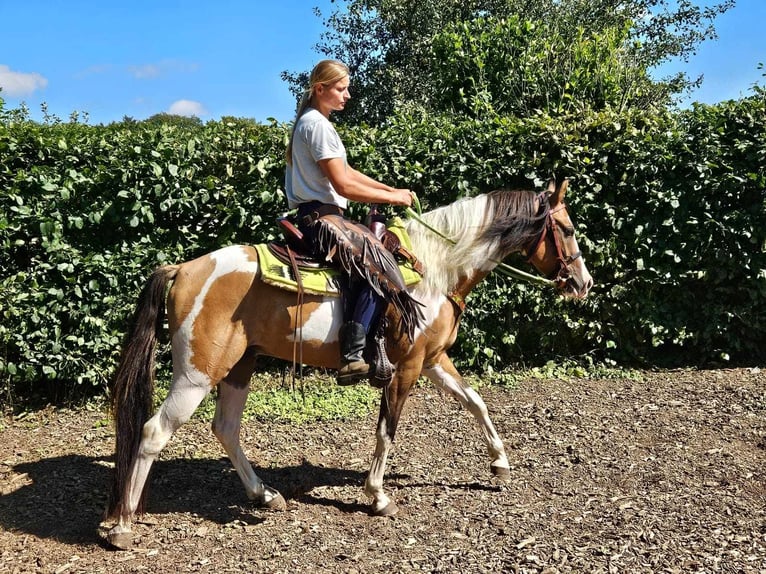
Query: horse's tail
(133, 384)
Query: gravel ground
(661, 474)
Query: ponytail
(304, 103)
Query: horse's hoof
(277, 503)
(120, 540)
(388, 510)
(501, 473)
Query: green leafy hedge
(87, 211)
(670, 211)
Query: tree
(388, 44)
(513, 66)
(164, 118)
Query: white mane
(446, 263)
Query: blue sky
(730, 64)
(210, 59)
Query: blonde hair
(325, 73)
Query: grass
(313, 398)
(317, 397)
(564, 369)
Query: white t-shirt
(315, 139)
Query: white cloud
(161, 68)
(93, 71)
(17, 84)
(145, 71)
(187, 108)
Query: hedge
(669, 207)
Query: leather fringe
(362, 256)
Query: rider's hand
(401, 197)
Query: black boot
(352, 342)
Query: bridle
(561, 274)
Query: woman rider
(319, 183)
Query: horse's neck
(466, 283)
(476, 234)
(450, 270)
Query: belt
(309, 212)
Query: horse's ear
(551, 185)
(558, 192)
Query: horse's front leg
(393, 398)
(444, 375)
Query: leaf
(47, 228)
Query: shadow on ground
(64, 498)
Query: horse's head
(555, 253)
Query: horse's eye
(568, 231)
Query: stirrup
(382, 369)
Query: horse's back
(231, 259)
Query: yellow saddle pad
(324, 280)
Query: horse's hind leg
(444, 375)
(182, 400)
(232, 395)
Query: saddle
(293, 242)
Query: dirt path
(665, 474)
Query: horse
(221, 316)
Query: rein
(504, 268)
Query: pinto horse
(221, 316)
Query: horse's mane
(485, 229)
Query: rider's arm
(356, 186)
